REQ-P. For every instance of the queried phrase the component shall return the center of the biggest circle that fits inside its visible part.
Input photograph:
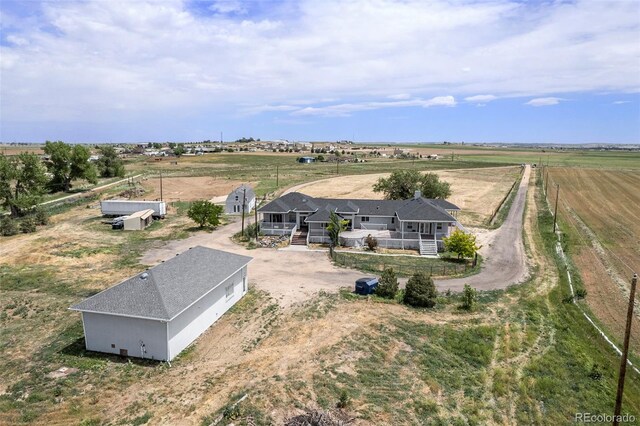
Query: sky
(376, 70)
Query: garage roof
(167, 289)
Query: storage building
(138, 221)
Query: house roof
(423, 209)
(250, 194)
(447, 205)
(293, 201)
(142, 214)
(164, 291)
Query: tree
(22, 183)
(68, 163)
(420, 291)
(469, 298)
(205, 212)
(388, 285)
(335, 227)
(371, 241)
(109, 164)
(402, 184)
(461, 243)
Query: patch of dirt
(190, 188)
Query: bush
(581, 293)
(595, 373)
(372, 242)
(41, 217)
(469, 298)
(388, 286)
(205, 213)
(420, 291)
(344, 400)
(28, 225)
(8, 226)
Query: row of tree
(25, 178)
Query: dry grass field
(477, 192)
(190, 188)
(600, 208)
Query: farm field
(398, 365)
(190, 188)
(600, 209)
(477, 192)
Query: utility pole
(625, 351)
(244, 198)
(277, 178)
(337, 163)
(161, 185)
(255, 211)
(546, 181)
(451, 156)
(555, 212)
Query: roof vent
(144, 276)
(417, 193)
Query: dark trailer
(366, 285)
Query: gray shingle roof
(169, 287)
(423, 209)
(293, 201)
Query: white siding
(101, 331)
(187, 326)
(231, 202)
(375, 220)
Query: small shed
(158, 313)
(138, 220)
(243, 194)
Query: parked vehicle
(366, 285)
(127, 207)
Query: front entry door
(425, 228)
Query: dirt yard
(600, 208)
(190, 188)
(477, 192)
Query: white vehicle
(128, 207)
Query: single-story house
(417, 223)
(138, 220)
(242, 195)
(159, 312)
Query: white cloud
(480, 99)
(344, 110)
(102, 60)
(538, 102)
(621, 102)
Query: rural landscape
(319, 213)
(300, 339)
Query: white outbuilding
(138, 220)
(243, 194)
(158, 313)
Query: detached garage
(158, 313)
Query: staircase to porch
(299, 238)
(428, 247)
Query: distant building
(241, 195)
(306, 160)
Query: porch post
(402, 234)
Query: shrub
(205, 212)
(41, 217)
(388, 286)
(595, 373)
(420, 291)
(28, 225)
(469, 298)
(372, 242)
(461, 243)
(343, 400)
(8, 226)
(581, 293)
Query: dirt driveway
(288, 275)
(503, 250)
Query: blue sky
(491, 71)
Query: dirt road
(503, 250)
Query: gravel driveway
(503, 251)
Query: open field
(189, 188)
(477, 192)
(398, 365)
(600, 209)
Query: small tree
(41, 216)
(461, 243)
(469, 298)
(388, 285)
(402, 184)
(335, 227)
(8, 226)
(205, 212)
(372, 242)
(420, 291)
(28, 225)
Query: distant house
(158, 313)
(306, 160)
(138, 220)
(417, 223)
(242, 195)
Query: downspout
(168, 346)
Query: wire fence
(403, 265)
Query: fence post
(431, 274)
(444, 270)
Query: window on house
(410, 226)
(228, 290)
(439, 227)
(365, 219)
(237, 198)
(393, 220)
